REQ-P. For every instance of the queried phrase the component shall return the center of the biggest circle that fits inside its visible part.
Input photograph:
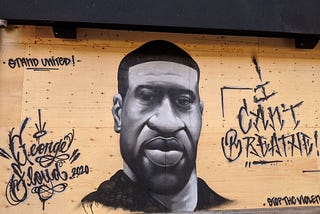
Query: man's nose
(165, 119)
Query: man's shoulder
(110, 192)
(207, 198)
(105, 188)
(121, 192)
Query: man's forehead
(163, 71)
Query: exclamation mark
(316, 141)
(73, 62)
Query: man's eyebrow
(178, 91)
(151, 87)
(171, 89)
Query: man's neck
(185, 200)
(129, 173)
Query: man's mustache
(163, 144)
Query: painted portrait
(158, 114)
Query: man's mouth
(163, 152)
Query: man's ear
(116, 112)
(201, 107)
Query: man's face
(161, 119)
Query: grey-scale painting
(158, 114)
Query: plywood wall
(74, 98)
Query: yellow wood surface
(79, 97)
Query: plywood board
(258, 145)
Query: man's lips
(163, 152)
(163, 144)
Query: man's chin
(164, 180)
(166, 184)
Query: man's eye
(184, 101)
(147, 97)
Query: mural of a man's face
(160, 122)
